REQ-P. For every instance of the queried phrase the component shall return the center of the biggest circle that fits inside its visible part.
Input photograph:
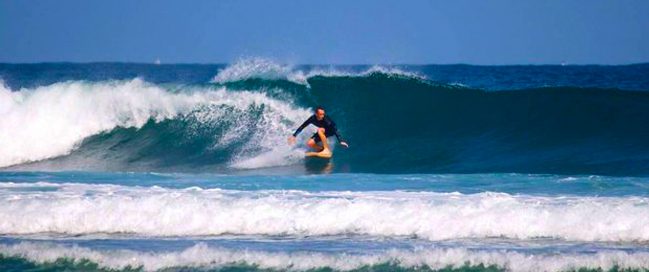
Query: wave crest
(259, 68)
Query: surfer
(326, 128)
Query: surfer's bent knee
(321, 130)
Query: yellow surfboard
(325, 154)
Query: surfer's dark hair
(318, 108)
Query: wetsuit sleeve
(340, 138)
(306, 123)
(335, 130)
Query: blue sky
(327, 32)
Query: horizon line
(323, 64)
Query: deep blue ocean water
(187, 167)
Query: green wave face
(394, 123)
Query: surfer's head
(319, 112)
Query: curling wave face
(109, 124)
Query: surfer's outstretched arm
(341, 141)
(291, 139)
(306, 123)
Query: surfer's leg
(312, 144)
(323, 138)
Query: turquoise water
(530, 184)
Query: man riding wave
(326, 128)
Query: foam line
(155, 211)
(201, 255)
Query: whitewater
(451, 167)
(88, 209)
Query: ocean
(186, 167)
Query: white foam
(259, 68)
(280, 156)
(391, 71)
(84, 209)
(201, 255)
(51, 121)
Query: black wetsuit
(326, 123)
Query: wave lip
(259, 68)
(201, 255)
(86, 209)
